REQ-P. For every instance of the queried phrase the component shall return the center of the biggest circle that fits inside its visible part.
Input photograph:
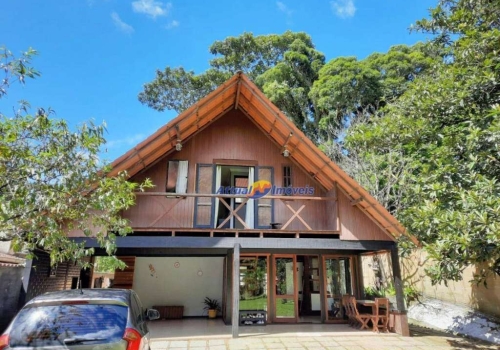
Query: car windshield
(68, 324)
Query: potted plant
(212, 306)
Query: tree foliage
(284, 66)
(446, 125)
(52, 182)
(16, 69)
(421, 123)
(319, 98)
(348, 88)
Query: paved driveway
(217, 337)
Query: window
(177, 175)
(137, 308)
(287, 176)
(50, 325)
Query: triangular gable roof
(240, 93)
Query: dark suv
(83, 319)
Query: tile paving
(200, 335)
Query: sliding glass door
(337, 281)
(285, 288)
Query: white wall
(5, 247)
(179, 281)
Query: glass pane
(285, 308)
(284, 276)
(338, 283)
(51, 325)
(253, 283)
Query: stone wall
(480, 298)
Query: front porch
(198, 333)
(204, 328)
(295, 280)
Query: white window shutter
(182, 177)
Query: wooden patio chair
(362, 319)
(380, 319)
(347, 308)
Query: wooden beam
(295, 215)
(235, 321)
(238, 89)
(233, 162)
(398, 282)
(167, 243)
(356, 201)
(233, 213)
(229, 230)
(214, 195)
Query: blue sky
(95, 55)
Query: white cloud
(151, 7)
(283, 8)
(172, 24)
(124, 27)
(343, 8)
(126, 141)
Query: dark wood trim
(236, 291)
(236, 162)
(215, 195)
(322, 289)
(376, 253)
(224, 288)
(224, 243)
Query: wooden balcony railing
(295, 206)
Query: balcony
(237, 215)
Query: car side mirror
(152, 314)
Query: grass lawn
(282, 309)
(254, 304)
(285, 309)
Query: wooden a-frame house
(247, 210)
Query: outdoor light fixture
(286, 153)
(178, 145)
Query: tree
(447, 126)
(104, 264)
(320, 99)
(348, 88)
(284, 66)
(53, 182)
(16, 70)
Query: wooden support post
(322, 288)
(400, 317)
(236, 291)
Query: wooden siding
(124, 279)
(233, 136)
(355, 225)
(239, 93)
